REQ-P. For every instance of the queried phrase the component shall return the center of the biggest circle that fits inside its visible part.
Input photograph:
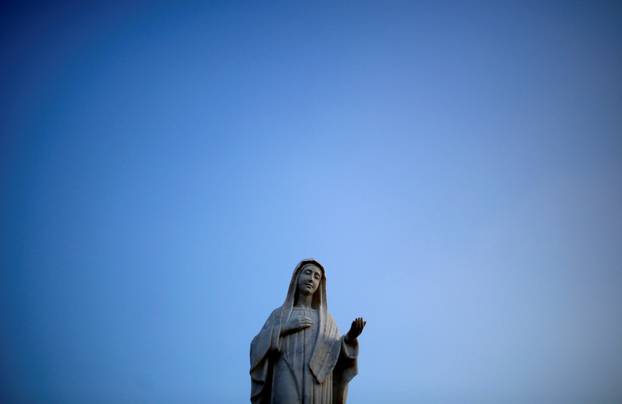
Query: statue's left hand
(356, 329)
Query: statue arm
(349, 348)
(267, 340)
(263, 345)
(346, 369)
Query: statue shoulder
(272, 320)
(330, 319)
(275, 315)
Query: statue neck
(303, 300)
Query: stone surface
(299, 355)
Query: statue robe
(310, 366)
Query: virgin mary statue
(299, 357)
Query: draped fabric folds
(311, 366)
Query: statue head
(309, 278)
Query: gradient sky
(457, 168)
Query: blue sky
(455, 167)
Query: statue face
(309, 279)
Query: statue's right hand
(296, 324)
